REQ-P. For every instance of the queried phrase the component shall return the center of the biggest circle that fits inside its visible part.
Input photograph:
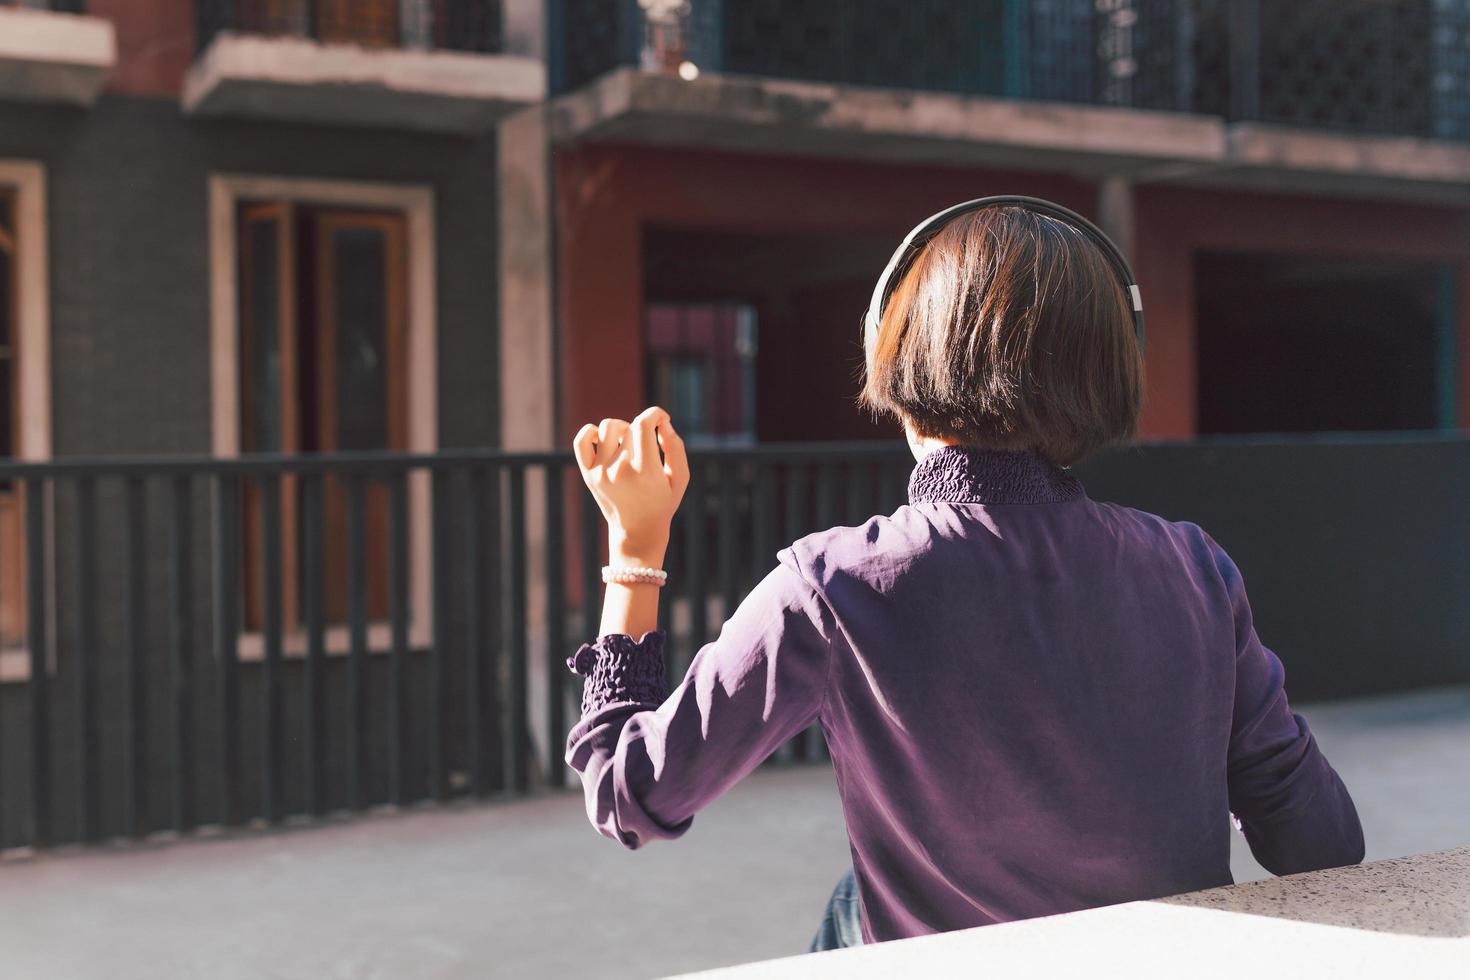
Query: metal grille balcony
(455, 25)
(1371, 66)
(434, 65)
(1382, 66)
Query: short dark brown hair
(1010, 329)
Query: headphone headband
(929, 227)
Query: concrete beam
(46, 57)
(779, 116)
(1283, 158)
(295, 79)
(816, 119)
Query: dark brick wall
(129, 250)
(127, 189)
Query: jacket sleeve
(1293, 809)
(649, 760)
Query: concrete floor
(527, 889)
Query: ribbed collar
(963, 474)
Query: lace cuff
(619, 668)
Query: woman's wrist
(644, 551)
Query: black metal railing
(211, 643)
(56, 6)
(1378, 66)
(458, 25)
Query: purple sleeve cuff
(620, 669)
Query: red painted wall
(155, 44)
(1175, 222)
(606, 194)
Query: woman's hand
(636, 492)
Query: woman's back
(1030, 709)
(1035, 703)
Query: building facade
(243, 229)
(1288, 178)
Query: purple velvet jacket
(1035, 703)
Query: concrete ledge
(1407, 917)
(295, 79)
(46, 57)
(768, 115)
(1286, 158)
(811, 118)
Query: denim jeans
(841, 924)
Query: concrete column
(528, 367)
(525, 260)
(525, 27)
(1115, 212)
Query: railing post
(84, 622)
(135, 529)
(557, 676)
(592, 524)
(357, 714)
(270, 572)
(37, 643)
(181, 638)
(439, 650)
(695, 521)
(473, 578)
(1245, 59)
(226, 577)
(556, 47)
(519, 740)
(491, 748)
(398, 624)
(313, 589)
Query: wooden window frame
(25, 182)
(420, 422)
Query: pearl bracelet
(634, 574)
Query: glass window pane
(7, 404)
(701, 367)
(7, 297)
(361, 342)
(260, 316)
(273, 17)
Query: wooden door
(269, 399)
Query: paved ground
(529, 890)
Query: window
(370, 23)
(322, 368)
(701, 367)
(25, 395)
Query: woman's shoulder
(1184, 535)
(878, 544)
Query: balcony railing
(216, 642)
(211, 643)
(1371, 66)
(455, 25)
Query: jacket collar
(965, 474)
